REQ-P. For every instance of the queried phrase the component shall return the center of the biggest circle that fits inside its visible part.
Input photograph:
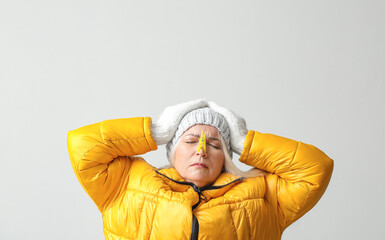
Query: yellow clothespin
(202, 142)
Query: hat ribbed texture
(205, 116)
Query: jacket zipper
(195, 223)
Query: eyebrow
(195, 135)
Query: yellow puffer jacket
(139, 202)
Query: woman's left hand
(237, 124)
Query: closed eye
(212, 145)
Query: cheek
(219, 160)
(179, 152)
(219, 156)
(181, 156)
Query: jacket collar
(221, 185)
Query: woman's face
(200, 168)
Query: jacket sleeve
(101, 155)
(299, 173)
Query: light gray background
(308, 70)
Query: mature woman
(202, 195)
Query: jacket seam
(152, 225)
(119, 235)
(303, 204)
(233, 224)
(247, 199)
(117, 186)
(295, 154)
(285, 163)
(140, 222)
(105, 143)
(151, 194)
(248, 221)
(268, 161)
(198, 208)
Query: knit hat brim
(205, 116)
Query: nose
(202, 144)
(201, 153)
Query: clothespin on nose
(202, 142)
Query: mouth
(199, 165)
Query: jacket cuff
(147, 133)
(246, 147)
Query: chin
(203, 180)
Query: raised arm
(299, 175)
(101, 155)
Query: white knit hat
(205, 116)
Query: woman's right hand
(164, 129)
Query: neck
(198, 183)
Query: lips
(199, 165)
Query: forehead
(197, 129)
